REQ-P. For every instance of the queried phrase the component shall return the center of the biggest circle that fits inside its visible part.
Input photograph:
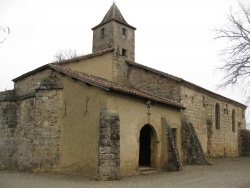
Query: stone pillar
(109, 146)
(209, 137)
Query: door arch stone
(147, 146)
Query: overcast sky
(174, 36)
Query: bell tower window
(124, 51)
(124, 31)
(102, 32)
(114, 32)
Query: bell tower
(115, 32)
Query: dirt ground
(222, 173)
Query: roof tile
(113, 14)
(113, 86)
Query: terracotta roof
(30, 72)
(113, 86)
(113, 14)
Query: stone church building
(104, 115)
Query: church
(103, 115)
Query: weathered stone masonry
(30, 129)
(109, 146)
(244, 142)
(41, 131)
(200, 104)
(154, 83)
(200, 107)
(7, 127)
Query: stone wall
(154, 83)
(109, 146)
(113, 37)
(8, 118)
(244, 142)
(31, 142)
(37, 134)
(30, 125)
(200, 108)
(23, 135)
(200, 111)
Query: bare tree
(4, 31)
(237, 55)
(64, 54)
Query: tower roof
(113, 14)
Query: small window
(217, 116)
(102, 32)
(233, 120)
(124, 32)
(124, 51)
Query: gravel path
(222, 173)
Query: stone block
(115, 134)
(104, 150)
(105, 143)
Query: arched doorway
(146, 149)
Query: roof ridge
(114, 13)
(78, 58)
